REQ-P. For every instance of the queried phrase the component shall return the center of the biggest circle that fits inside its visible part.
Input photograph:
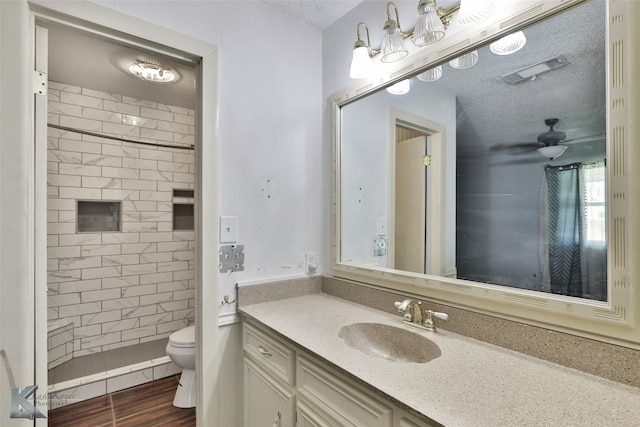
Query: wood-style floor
(147, 405)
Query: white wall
(270, 128)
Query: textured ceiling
(318, 13)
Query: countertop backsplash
(609, 361)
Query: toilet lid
(184, 337)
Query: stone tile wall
(138, 284)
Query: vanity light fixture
(151, 71)
(393, 48)
(361, 63)
(431, 75)
(400, 88)
(465, 61)
(509, 44)
(474, 11)
(430, 27)
(552, 151)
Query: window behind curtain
(594, 203)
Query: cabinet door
(309, 416)
(267, 403)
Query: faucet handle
(428, 321)
(406, 309)
(441, 315)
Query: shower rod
(132, 141)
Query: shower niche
(98, 216)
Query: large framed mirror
(504, 186)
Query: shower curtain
(563, 230)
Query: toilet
(181, 349)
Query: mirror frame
(615, 321)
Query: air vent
(533, 70)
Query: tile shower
(120, 233)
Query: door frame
(114, 25)
(436, 137)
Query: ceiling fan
(550, 144)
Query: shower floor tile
(107, 360)
(149, 405)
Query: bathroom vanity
(299, 371)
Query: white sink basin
(389, 342)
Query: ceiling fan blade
(524, 161)
(582, 139)
(524, 147)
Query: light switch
(228, 229)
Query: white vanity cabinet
(269, 375)
(306, 392)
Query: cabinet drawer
(270, 352)
(339, 399)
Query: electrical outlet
(310, 262)
(228, 229)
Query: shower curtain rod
(132, 141)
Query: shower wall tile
(64, 180)
(117, 288)
(100, 94)
(79, 146)
(79, 286)
(80, 100)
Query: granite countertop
(471, 384)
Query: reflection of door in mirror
(410, 207)
(416, 199)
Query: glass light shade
(467, 60)
(509, 44)
(552, 151)
(361, 64)
(400, 88)
(393, 47)
(475, 10)
(431, 75)
(152, 72)
(429, 28)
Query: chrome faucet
(412, 315)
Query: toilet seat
(184, 338)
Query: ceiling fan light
(552, 151)
(509, 44)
